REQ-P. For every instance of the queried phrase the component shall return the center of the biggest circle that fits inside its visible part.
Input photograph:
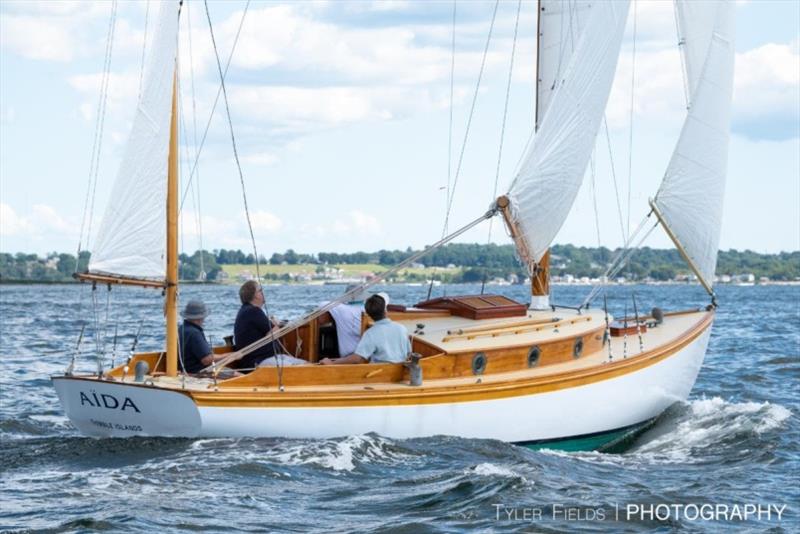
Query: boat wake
(700, 431)
(688, 431)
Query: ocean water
(732, 449)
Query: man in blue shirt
(195, 352)
(252, 325)
(384, 342)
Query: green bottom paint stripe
(615, 440)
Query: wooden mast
(171, 303)
(540, 271)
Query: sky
(341, 113)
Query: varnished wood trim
(453, 393)
(119, 280)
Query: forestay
(131, 241)
(580, 71)
(691, 193)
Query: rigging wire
(450, 129)
(102, 124)
(592, 168)
(279, 361)
(214, 107)
(630, 131)
(233, 141)
(144, 45)
(614, 179)
(94, 160)
(620, 260)
(505, 116)
(198, 208)
(471, 113)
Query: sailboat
(483, 366)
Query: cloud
(766, 99)
(38, 38)
(11, 224)
(767, 92)
(356, 222)
(263, 159)
(43, 221)
(227, 232)
(263, 221)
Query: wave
(697, 431)
(341, 454)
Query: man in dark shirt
(195, 352)
(251, 325)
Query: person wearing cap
(384, 342)
(195, 352)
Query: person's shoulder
(399, 327)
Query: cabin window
(478, 363)
(577, 348)
(533, 356)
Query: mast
(539, 271)
(171, 303)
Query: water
(735, 442)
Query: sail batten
(580, 43)
(691, 194)
(131, 242)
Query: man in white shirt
(384, 342)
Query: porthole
(478, 363)
(577, 348)
(533, 356)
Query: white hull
(602, 406)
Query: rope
(94, 161)
(471, 113)
(348, 295)
(214, 107)
(630, 131)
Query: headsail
(131, 242)
(691, 193)
(580, 71)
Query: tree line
(476, 262)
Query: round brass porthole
(577, 348)
(478, 363)
(533, 356)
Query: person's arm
(353, 358)
(208, 359)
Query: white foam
(709, 421)
(338, 455)
(701, 424)
(491, 470)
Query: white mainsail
(551, 173)
(131, 242)
(691, 193)
(560, 25)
